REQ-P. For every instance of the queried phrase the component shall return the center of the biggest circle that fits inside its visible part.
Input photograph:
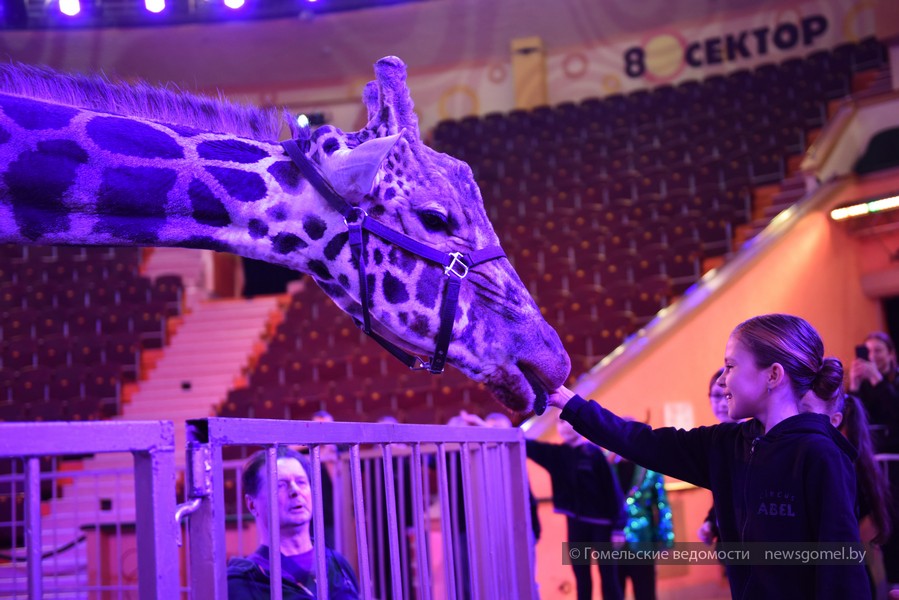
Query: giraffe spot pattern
(320, 270)
(258, 229)
(333, 248)
(277, 213)
(330, 146)
(314, 227)
(243, 186)
(184, 130)
(37, 181)
(427, 287)
(132, 138)
(206, 208)
(378, 256)
(395, 291)
(285, 243)
(231, 150)
(134, 200)
(405, 261)
(419, 325)
(377, 211)
(343, 280)
(286, 174)
(34, 115)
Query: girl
(780, 476)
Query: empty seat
(18, 353)
(53, 351)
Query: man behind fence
(248, 578)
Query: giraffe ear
(352, 172)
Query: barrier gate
(152, 445)
(456, 480)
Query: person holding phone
(873, 379)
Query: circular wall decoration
(574, 65)
(454, 94)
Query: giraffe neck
(75, 176)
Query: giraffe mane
(167, 104)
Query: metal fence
(479, 486)
(151, 444)
(420, 511)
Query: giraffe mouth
(541, 395)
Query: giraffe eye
(433, 220)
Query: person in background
(648, 524)
(708, 531)
(587, 493)
(873, 379)
(249, 578)
(874, 498)
(778, 477)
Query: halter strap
(455, 264)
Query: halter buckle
(355, 216)
(451, 268)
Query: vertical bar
(468, 496)
(509, 514)
(458, 550)
(206, 526)
(377, 528)
(487, 530)
(154, 488)
(390, 497)
(425, 465)
(274, 522)
(519, 491)
(238, 492)
(445, 525)
(402, 519)
(33, 540)
(359, 515)
(418, 515)
(337, 484)
(318, 523)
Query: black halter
(455, 264)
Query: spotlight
(155, 6)
(70, 8)
(234, 4)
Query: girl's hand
(560, 397)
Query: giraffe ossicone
(86, 161)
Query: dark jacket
(582, 481)
(794, 484)
(248, 578)
(881, 403)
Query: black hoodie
(794, 484)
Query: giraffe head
(499, 336)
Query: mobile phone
(861, 351)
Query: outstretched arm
(674, 452)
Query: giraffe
(87, 161)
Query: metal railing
(481, 469)
(151, 444)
